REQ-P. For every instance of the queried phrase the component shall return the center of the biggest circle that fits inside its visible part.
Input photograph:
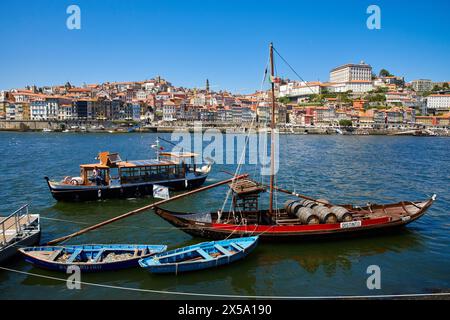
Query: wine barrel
(307, 216)
(295, 207)
(342, 214)
(308, 203)
(288, 204)
(325, 215)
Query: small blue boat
(90, 258)
(200, 256)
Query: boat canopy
(178, 154)
(113, 160)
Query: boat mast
(272, 132)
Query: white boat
(19, 229)
(47, 130)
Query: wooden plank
(222, 249)
(204, 254)
(74, 256)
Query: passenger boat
(130, 179)
(90, 258)
(200, 256)
(21, 228)
(298, 219)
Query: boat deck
(12, 226)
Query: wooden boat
(20, 228)
(200, 256)
(284, 226)
(308, 218)
(130, 179)
(89, 258)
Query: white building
(298, 89)
(169, 111)
(67, 112)
(422, 85)
(44, 108)
(141, 95)
(438, 102)
(356, 86)
(351, 72)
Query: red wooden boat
(298, 219)
(283, 226)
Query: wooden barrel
(294, 208)
(325, 215)
(308, 203)
(342, 214)
(288, 204)
(307, 216)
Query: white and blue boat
(200, 256)
(90, 258)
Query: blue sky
(225, 41)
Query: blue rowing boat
(90, 258)
(200, 256)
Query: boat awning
(92, 166)
(145, 163)
(179, 154)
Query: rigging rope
(293, 70)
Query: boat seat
(236, 246)
(74, 256)
(54, 255)
(98, 256)
(204, 254)
(222, 250)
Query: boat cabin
(114, 171)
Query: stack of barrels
(315, 212)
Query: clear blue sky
(225, 41)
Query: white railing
(7, 224)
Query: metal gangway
(13, 225)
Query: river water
(343, 169)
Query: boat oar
(148, 207)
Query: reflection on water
(343, 169)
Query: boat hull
(88, 267)
(92, 193)
(216, 231)
(180, 267)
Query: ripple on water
(340, 168)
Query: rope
(223, 295)
(242, 159)
(284, 60)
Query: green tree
(284, 100)
(345, 123)
(385, 73)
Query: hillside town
(354, 97)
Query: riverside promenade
(112, 127)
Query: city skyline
(188, 43)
